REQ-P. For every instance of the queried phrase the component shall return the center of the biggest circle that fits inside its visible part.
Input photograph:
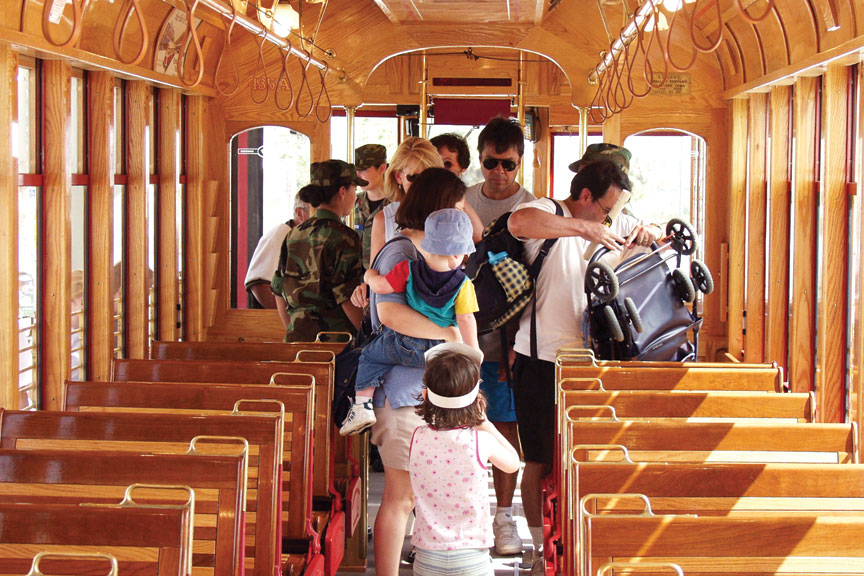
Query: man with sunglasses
(501, 144)
(454, 152)
(560, 303)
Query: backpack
(503, 281)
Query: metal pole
(583, 130)
(520, 107)
(349, 132)
(224, 10)
(423, 88)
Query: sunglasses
(492, 163)
(411, 177)
(448, 164)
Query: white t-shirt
(265, 259)
(561, 299)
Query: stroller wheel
(701, 276)
(635, 318)
(683, 236)
(614, 327)
(601, 281)
(685, 288)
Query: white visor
(452, 402)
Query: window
(119, 239)
(367, 130)
(667, 177)
(565, 150)
(78, 224)
(269, 165)
(28, 235)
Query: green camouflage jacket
(319, 267)
(363, 223)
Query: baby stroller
(639, 310)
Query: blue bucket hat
(448, 233)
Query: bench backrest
(644, 404)
(196, 398)
(710, 489)
(719, 441)
(763, 544)
(171, 434)
(243, 351)
(143, 540)
(259, 373)
(106, 478)
(763, 378)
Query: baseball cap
(369, 155)
(602, 150)
(334, 173)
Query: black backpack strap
(534, 270)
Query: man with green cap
(370, 160)
(602, 150)
(320, 264)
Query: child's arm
(468, 329)
(502, 454)
(377, 283)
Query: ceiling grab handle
(283, 73)
(48, 7)
(120, 31)
(191, 41)
(226, 47)
(305, 81)
(322, 74)
(263, 66)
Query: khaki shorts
(392, 434)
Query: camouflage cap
(603, 150)
(369, 155)
(334, 173)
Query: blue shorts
(499, 395)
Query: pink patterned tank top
(451, 490)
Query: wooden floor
(504, 565)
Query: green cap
(334, 173)
(603, 150)
(370, 155)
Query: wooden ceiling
(479, 11)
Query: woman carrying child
(449, 475)
(435, 286)
(395, 399)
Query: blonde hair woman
(413, 156)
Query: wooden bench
(681, 404)
(142, 540)
(718, 441)
(47, 476)
(320, 365)
(295, 401)
(763, 544)
(260, 373)
(172, 434)
(708, 489)
(241, 351)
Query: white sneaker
(538, 566)
(361, 417)
(507, 540)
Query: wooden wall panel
(737, 226)
(831, 379)
(138, 175)
(193, 253)
(777, 318)
(754, 341)
(802, 331)
(54, 314)
(166, 210)
(8, 229)
(100, 203)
